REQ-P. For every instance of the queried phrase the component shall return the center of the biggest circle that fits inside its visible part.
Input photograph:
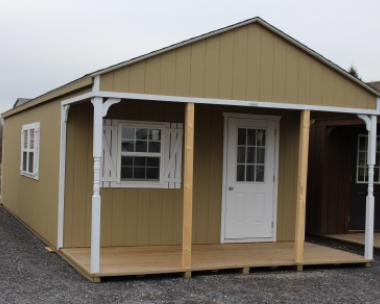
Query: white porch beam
(371, 126)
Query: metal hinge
(274, 178)
(272, 224)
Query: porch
(125, 261)
(357, 238)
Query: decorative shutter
(173, 155)
(110, 153)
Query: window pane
(249, 174)
(24, 160)
(259, 173)
(153, 162)
(240, 173)
(241, 155)
(142, 134)
(139, 172)
(155, 134)
(128, 146)
(363, 143)
(141, 146)
(260, 156)
(126, 172)
(241, 136)
(362, 158)
(251, 137)
(128, 133)
(251, 155)
(139, 161)
(25, 134)
(31, 138)
(31, 161)
(152, 173)
(154, 146)
(261, 137)
(126, 161)
(361, 174)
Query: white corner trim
(62, 172)
(96, 84)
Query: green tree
(353, 71)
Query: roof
(375, 85)
(257, 20)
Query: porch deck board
(356, 238)
(121, 261)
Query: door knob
(230, 188)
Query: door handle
(230, 188)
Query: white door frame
(275, 119)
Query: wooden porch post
(188, 187)
(303, 152)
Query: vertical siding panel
(182, 71)
(304, 80)
(279, 76)
(226, 65)
(315, 84)
(107, 81)
(106, 218)
(130, 217)
(168, 73)
(212, 67)
(137, 78)
(155, 217)
(121, 80)
(197, 70)
(153, 75)
(118, 217)
(143, 217)
(267, 66)
(239, 79)
(291, 75)
(253, 63)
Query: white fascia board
(226, 102)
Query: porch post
(303, 152)
(371, 126)
(187, 220)
(96, 198)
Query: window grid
(361, 164)
(250, 155)
(141, 149)
(29, 150)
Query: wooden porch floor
(122, 261)
(355, 238)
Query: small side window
(30, 142)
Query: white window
(30, 142)
(361, 162)
(141, 154)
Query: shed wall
(154, 216)
(35, 202)
(247, 63)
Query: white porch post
(96, 198)
(371, 126)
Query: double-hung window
(30, 142)
(361, 162)
(141, 153)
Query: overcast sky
(45, 43)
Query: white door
(249, 212)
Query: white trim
(62, 173)
(217, 101)
(275, 119)
(262, 22)
(35, 150)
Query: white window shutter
(110, 153)
(173, 155)
(36, 150)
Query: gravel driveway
(29, 274)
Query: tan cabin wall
(248, 63)
(35, 202)
(153, 216)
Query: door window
(361, 162)
(250, 155)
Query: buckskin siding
(247, 63)
(153, 216)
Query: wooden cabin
(193, 157)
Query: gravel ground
(29, 274)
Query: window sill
(29, 175)
(139, 185)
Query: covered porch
(125, 261)
(357, 238)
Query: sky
(46, 43)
